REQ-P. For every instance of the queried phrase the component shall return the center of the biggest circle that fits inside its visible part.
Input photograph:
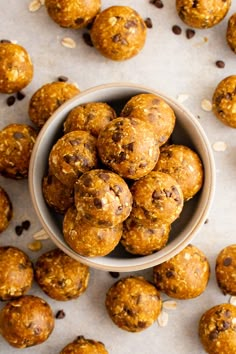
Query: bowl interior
(187, 132)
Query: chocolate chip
(176, 29)
(190, 33)
(5, 41)
(116, 137)
(69, 158)
(75, 142)
(195, 3)
(130, 147)
(148, 22)
(167, 193)
(158, 3)
(26, 224)
(87, 39)
(169, 274)
(206, 221)
(130, 23)
(116, 38)
(79, 21)
(142, 324)
(220, 64)
(87, 181)
(156, 195)
(62, 78)
(20, 95)
(18, 135)
(98, 203)
(122, 156)
(227, 261)
(60, 314)
(104, 176)
(225, 325)
(213, 335)
(19, 229)
(11, 100)
(117, 189)
(228, 313)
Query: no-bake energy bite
(184, 165)
(48, 98)
(92, 116)
(184, 276)
(16, 145)
(82, 345)
(60, 276)
(89, 240)
(118, 33)
(102, 198)
(5, 210)
(16, 273)
(154, 110)
(56, 194)
(26, 321)
(141, 240)
(217, 329)
(16, 68)
(157, 198)
(224, 101)
(202, 13)
(133, 304)
(128, 147)
(72, 155)
(73, 13)
(231, 32)
(225, 270)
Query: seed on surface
(158, 3)
(68, 42)
(169, 305)
(20, 95)
(34, 5)
(232, 300)
(11, 100)
(114, 274)
(176, 29)
(206, 105)
(40, 235)
(162, 319)
(148, 22)
(219, 146)
(60, 314)
(35, 246)
(19, 230)
(26, 224)
(220, 64)
(87, 39)
(190, 33)
(62, 78)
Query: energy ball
(226, 270)
(231, 33)
(47, 99)
(92, 116)
(154, 110)
(102, 198)
(61, 277)
(73, 13)
(184, 276)
(84, 346)
(72, 155)
(118, 33)
(217, 329)
(224, 101)
(128, 147)
(184, 165)
(16, 144)
(16, 275)
(141, 240)
(5, 210)
(133, 304)
(26, 321)
(89, 240)
(157, 198)
(16, 68)
(202, 13)
(56, 194)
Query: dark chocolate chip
(79, 20)
(213, 335)
(26, 224)
(130, 147)
(11, 100)
(148, 22)
(156, 195)
(69, 158)
(176, 29)
(225, 325)
(130, 23)
(87, 39)
(62, 78)
(75, 142)
(116, 38)
(195, 3)
(206, 221)
(116, 137)
(104, 176)
(20, 95)
(158, 3)
(5, 41)
(167, 193)
(227, 261)
(19, 229)
(98, 203)
(220, 64)
(190, 33)
(60, 314)
(18, 135)
(122, 156)
(228, 313)
(142, 324)
(87, 181)
(169, 274)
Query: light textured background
(173, 65)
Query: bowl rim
(91, 261)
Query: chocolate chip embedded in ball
(226, 270)
(84, 345)
(118, 32)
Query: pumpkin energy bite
(61, 277)
(133, 304)
(226, 270)
(48, 98)
(82, 345)
(16, 145)
(231, 33)
(73, 13)
(16, 68)
(102, 198)
(118, 33)
(26, 321)
(5, 210)
(16, 273)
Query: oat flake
(41, 235)
(34, 5)
(35, 246)
(219, 146)
(206, 105)
(169, 305)
(182, 97)
(232, 300)
(163, 319)
(68, 42)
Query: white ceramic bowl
(187, 132)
